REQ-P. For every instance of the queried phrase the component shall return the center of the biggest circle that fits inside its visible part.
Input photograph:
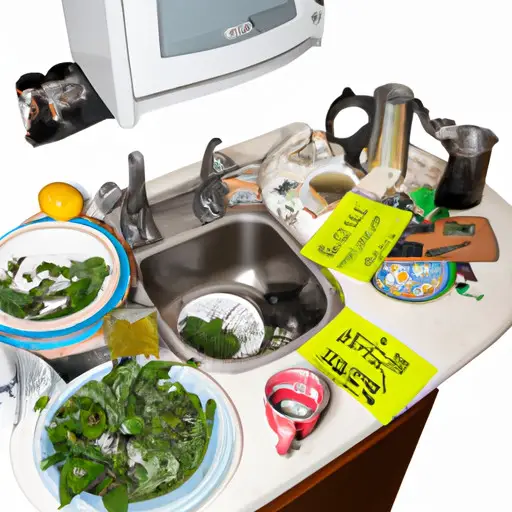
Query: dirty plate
(53, 342)
(57, 242)
(239, 317)
(415, 281)
(110, 298)
(210, 479)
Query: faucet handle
(137, 198)
(137, 222)
(208, 164)
(208, 202)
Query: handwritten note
(357, 237)
(379, 371)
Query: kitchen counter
(448, 332)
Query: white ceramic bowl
(59, 239)
(210, 479)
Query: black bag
(59, 104)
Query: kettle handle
(355, 144)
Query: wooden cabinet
(368, 477)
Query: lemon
(61, 201)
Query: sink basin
(246, 255)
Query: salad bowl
(206, 483)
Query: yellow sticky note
(375, 368)
(357, 237)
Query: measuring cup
(294, 400)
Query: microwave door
(269, 19)
(221, 23)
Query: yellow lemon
(61, 201)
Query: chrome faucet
(209, 199)
(137, 222)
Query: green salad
(73, 287)
(133, 436)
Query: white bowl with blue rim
(213, 475)
(78, 327)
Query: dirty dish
(223, 326)
(97, 312)
(52, 343)
(57, 243)
(418, 281)
(218, 466)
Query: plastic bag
(58, 104)
(132, 331)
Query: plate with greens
(54, 276)
(144, 436)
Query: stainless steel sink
(246, 254)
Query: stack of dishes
(48, 240)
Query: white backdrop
(451, 53)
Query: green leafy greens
(134, 436)
(210, 338)
(85, 281)
(41, 403)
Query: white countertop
(448, 332)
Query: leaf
(81, 449)
(14, 303)
(59, 432)
(120, 458)
(82, 474)
(28, 277)
(42, 289)
(133, 426)
(101, 394)
(122, 378)
(52, 460)
(6, 281)
(103, 486)
(64, 494)
(90, 275)
(160, 465)
(61, 447)
(94, 268)
(94, 422)
(41, 403)
(75, 288)
(14, 265)
(53, 269)
(58, 313)
(209, 338)
(116, 500)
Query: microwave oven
(140, 55)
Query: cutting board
(475, 232)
